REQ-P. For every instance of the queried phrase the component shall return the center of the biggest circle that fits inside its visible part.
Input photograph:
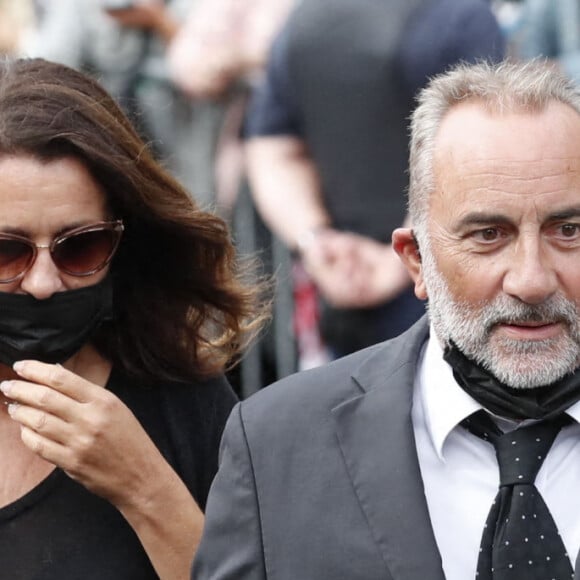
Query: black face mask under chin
(519, 404)
(54, 329)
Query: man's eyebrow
(483, 218)
(565, 214)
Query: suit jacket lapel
(377, 442)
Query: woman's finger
(39, 397)
(41, 422)
(57, 377)
(46, 448)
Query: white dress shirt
(461, 474)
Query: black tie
(520, 538)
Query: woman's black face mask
(54, 329)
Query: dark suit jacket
(319, 477)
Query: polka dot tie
(520, 538)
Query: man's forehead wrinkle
(474, 199)
(542, 166)
(493, 179)
(495, 188)
(469, 169)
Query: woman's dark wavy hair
(184, 309)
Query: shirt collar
(445, 404)
(574, 411)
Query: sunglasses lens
(15, 256)
(85, 252)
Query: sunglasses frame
(115, 226)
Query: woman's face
(39, 201)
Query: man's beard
(523, 364)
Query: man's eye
(569, 230)
(487, 235)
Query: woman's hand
(82, 428)
(93, 436)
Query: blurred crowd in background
(187, 72)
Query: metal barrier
(274, 355)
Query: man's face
(502, 270)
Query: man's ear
(406, 246)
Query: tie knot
(521, 452)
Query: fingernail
(18, 366)
(6, 387)
(12, 407)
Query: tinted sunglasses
(79, 252)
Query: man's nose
(531, 276)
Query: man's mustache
(505, 310)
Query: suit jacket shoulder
(319, 477)
(321, 389)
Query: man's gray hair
(503, 87)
